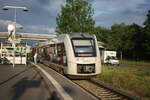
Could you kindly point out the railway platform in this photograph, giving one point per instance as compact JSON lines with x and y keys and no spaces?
{"x":38,"y":82}
{"x":22,"y":83}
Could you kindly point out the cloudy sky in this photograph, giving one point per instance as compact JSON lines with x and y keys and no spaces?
{"x":41,"y":17}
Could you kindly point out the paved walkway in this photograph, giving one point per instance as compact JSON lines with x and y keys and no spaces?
{"x":21,"y":83}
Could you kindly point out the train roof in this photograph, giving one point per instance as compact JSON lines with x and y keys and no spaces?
{"x":81,"y":35}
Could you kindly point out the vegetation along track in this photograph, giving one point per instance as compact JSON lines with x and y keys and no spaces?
{"x":102,"y":92}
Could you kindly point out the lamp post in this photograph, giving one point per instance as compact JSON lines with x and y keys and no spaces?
{"x":14,"y":31}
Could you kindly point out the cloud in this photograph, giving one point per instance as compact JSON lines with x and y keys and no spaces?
{"x":43,"y":13}
{"x":4,"y":24}
{"x":128,"y":11}
{"x":26,"y":29}
{"x":36,"y":15}
{"x":40,"y":30}
{"x":54,"y":5}
{"x":100,"y":12}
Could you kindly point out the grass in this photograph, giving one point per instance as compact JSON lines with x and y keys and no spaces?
{"x":130,"y":80}
{"x":139,"y":63}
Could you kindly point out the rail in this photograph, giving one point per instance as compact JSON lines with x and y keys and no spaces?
{"x":102,"y":91}
{"x":96,"y":88}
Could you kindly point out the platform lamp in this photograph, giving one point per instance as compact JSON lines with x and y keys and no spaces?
{"x":14,"y":31}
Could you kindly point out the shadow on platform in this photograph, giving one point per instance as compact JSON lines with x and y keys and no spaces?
{"x":69,"y":90}
{"x":21,"y":86}
{"x":54,"y":96}
{"x":17,"y":74}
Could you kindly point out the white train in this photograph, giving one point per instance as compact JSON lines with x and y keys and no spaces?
{"x":77,"y":53}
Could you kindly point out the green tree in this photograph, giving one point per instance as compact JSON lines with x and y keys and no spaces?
{"x":118,"y":38}
{"x":129,"y":40}
{"x":76,"y":16}
{"x":146,"y":43}
{"x":137,"y":37}
{"x":147,"y":21}
{"x":101,"y":33}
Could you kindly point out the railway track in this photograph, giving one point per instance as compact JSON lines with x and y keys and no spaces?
{"x":102,"y":92}
{"x":99,"y":90}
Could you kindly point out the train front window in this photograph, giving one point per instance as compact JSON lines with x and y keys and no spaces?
{"x":84,"y":47}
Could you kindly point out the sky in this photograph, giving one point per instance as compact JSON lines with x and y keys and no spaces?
{"x":41,"y":17}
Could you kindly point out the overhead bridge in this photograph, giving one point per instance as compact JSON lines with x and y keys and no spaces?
{"x":28,"y":36}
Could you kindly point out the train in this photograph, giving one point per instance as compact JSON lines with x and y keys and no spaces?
{"x":77,"y":54}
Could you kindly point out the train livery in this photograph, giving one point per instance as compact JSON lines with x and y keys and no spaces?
{"x":77,"y":53}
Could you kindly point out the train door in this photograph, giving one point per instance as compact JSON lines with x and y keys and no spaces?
{"x":61,"y":54}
